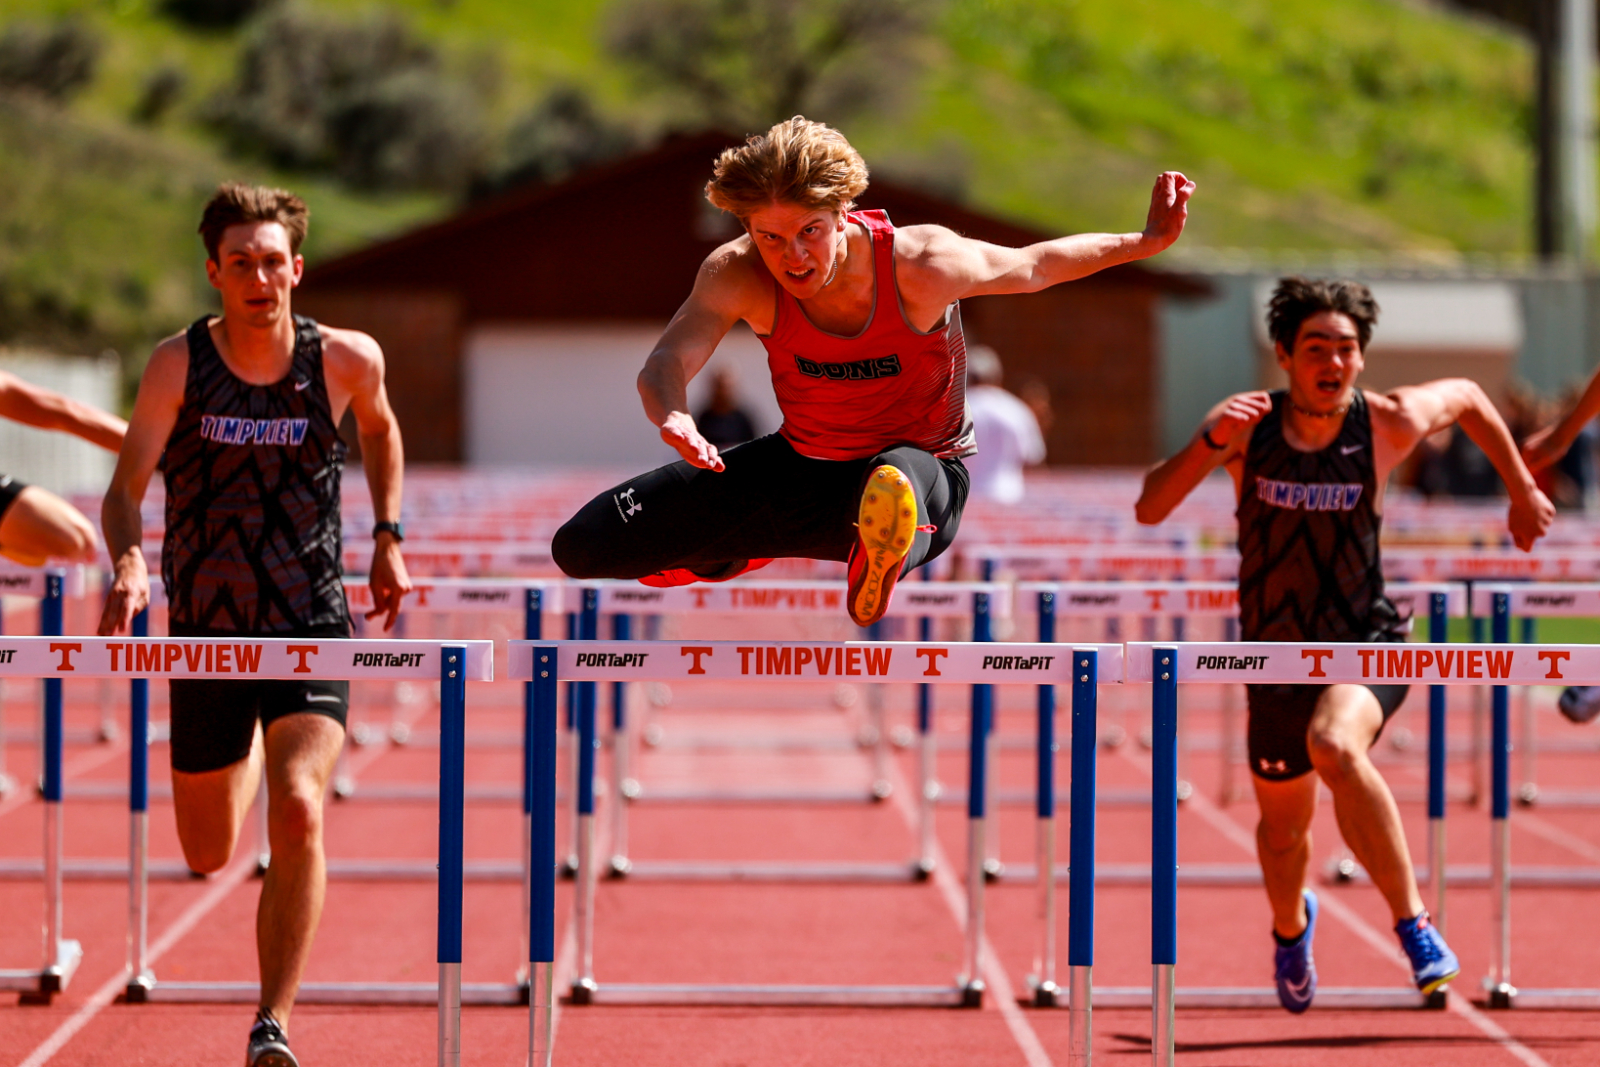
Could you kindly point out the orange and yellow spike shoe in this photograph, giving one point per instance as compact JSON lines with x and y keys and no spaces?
{"x":885,"y":527}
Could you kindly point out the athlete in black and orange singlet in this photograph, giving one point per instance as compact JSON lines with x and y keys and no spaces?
{"x":245,"y":409}
{"x":862,"y":326}
{"x":1309,"y":465}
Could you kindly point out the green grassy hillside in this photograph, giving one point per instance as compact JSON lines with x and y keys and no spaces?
{"x":1372,"y":124}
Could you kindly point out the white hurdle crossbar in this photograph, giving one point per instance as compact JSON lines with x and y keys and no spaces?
{"x":785,"y":663}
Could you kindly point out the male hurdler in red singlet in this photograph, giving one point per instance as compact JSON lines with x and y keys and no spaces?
{"x":862,"y":327}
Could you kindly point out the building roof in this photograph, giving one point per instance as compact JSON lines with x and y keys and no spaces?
{"x":620,"y":241}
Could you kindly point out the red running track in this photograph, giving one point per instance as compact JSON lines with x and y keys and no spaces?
{"x":851,"y":934}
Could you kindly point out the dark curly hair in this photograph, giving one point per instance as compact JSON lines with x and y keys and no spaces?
{"x":1297,"y":299}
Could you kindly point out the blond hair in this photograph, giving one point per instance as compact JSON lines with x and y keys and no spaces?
{"x":798,"y":162}
{"x":236,"y":204}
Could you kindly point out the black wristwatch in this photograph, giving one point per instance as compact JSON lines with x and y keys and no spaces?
{"x":394,"y":528}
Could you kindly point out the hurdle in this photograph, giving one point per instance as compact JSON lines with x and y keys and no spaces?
{"x":33,"y":584}
{"x":1530,"y":601}
{"x":26,"y":657}
{"x":453,"y":664}
{"x":1168,"y":666}
{"x":925,"y":601}
{"x":1584,"y":669}
{"x":785,"y":663}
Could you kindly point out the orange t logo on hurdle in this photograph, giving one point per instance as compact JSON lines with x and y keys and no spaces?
{"x":933,"y":655}
{"x":1157,"y":598}
{"x":696,"y":651}
{"x":302,"y":651}
{"x":66,"y":651}
{"x":1553,"y":657}
{"x":1316,"y":656}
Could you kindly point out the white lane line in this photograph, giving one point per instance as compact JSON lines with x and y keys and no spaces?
{"x":1555,"y":835}
{"x":26,"y":792}
{"x":242,"y":868}
{"x":1000,"y":994}
{"x":1381,"y":943}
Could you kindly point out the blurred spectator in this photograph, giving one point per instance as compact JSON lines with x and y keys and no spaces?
{"x":1006,"y":427}
{"x":723,"y":422}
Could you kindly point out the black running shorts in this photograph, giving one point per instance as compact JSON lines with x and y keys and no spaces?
{"x":1280,"y":719}
{"x":10,"y":489}
{"x":770,"y":502}
{"x":214,"y":720}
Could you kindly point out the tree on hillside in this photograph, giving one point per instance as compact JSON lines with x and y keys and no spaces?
{"x":54,"y":60}
{"x":365,"y":100}
{"x":745,"y":64}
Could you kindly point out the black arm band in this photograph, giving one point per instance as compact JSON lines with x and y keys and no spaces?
{"x":389,"y":528}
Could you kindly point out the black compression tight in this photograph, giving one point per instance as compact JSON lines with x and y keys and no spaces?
{"x":769,"y":502}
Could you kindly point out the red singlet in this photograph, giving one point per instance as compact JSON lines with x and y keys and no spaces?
{"x":853,"y":397}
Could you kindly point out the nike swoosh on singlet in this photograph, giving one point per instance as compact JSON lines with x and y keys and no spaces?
{"x":1344,"y":450}
{"x":323,"y":698}
{"x":298,"y":386}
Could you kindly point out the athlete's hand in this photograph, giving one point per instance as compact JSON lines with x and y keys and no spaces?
{"x":1169,"y":210}
{"x":1239,"y":413}
{"x":680,"y":432}
{"x":1530,"y":518}
{"x":1544,"y":448}
{"x":389,"y":581}
{"x":129,"y":595}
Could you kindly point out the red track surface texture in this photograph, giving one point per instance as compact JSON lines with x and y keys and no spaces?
{"x":902,"y":934}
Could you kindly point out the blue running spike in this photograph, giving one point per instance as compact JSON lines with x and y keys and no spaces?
{"x":1432,"y":962}
{"x":1296,"y":972}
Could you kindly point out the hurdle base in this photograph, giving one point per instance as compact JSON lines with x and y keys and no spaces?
{"x":675,"y":871}
{"x":1502,"y":995}
{"x":1045,"y":994}
{"x":590,"y":992}
{"x":137,"y":991}
{"x":648,"y":794}
{"x":1551,"y":1000}
{"x":372,"y":993}
{"x":40,"y":987}
{"x":1350,"y":998}
{"x":1213,"y":874}
{"x":1477,"y":876}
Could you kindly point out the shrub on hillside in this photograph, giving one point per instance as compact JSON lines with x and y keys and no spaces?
{"x":561,"y":134}
{"x":213,"y":14}
{"x":365,"y":100}
{"x":55,"y":60}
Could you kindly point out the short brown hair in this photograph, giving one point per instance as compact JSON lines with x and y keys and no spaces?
{"x":237,"y":204}
{"x":798,"y":161}
{"x":1297,"y":299}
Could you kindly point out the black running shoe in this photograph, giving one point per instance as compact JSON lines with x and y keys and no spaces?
{"x":269,"y":1045}
{"x":1580,"y":703}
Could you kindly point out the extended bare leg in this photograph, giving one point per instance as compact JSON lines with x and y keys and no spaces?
{"x":301,"y":751}
{"x":1342,"y":731}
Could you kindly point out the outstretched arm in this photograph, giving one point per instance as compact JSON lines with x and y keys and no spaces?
{"x":964,"y":267}
{"x":1407,"y":415}
{"x":23,"y":402}
{"x":1229,"y":425}
{"x":1552,"y":442}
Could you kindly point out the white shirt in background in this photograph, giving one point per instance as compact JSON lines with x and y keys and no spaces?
{"x":1008,"y":439}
